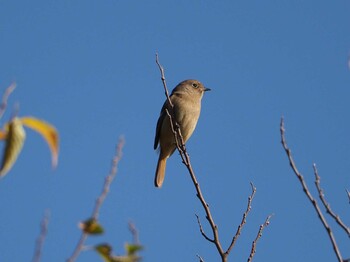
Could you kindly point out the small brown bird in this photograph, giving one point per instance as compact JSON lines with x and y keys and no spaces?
{"x":186,"y":98}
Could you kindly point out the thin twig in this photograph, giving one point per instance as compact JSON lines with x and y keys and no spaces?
{"x":244,"y":219}
{"x":202,"y":231}
{"x":186,"y":160}
{"x":134,"y":232}
{"x":200,"y":258}
{"x":5,"y":97}
{"x":307,"y":192}
{"x":101,"y":198}
{"x":161,"y":69}
{"x":327,"y":205}
{"x":41,"y":238}
{"x":258,"y":236}
{"x":109,"y":178}
{"x":348,"y":193}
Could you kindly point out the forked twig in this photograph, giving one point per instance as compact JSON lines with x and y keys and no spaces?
{"x":101,"y":198}
{"x":307,"y":192}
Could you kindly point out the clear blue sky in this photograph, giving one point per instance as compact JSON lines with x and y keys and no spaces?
{"x":89,"y":68}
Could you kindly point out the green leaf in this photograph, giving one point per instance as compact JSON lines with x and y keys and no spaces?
{"x":91,"y":226}
{"x":104,"y":251}
{"x":132,"y":249}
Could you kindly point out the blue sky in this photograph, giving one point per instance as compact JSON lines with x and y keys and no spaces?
{"x":89,"y":68}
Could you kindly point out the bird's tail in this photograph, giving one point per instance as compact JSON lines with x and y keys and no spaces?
{"x":160,"y":172}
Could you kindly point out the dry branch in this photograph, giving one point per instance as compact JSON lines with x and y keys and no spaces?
{"x":308,"y":193}
{"x":112,"y":173}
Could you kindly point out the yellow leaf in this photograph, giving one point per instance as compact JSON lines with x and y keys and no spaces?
{"x":47,"y":131}
{"x":13,"y":145}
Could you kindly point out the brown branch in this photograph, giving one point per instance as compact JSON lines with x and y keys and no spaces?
{"x":244,"y":219}
{"x":307,"y":192}
{"x":186,"y":160}
{"x":41,"y":238}
{"x":5,"y":97}
{"x":327,"y":205}
{"x":258,"y":236}
{"x":101,"y":198}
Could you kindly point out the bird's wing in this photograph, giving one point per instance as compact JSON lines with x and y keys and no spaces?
{"x":161,"y":118}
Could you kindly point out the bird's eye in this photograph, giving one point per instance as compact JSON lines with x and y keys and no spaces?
{"x":195,"y":85}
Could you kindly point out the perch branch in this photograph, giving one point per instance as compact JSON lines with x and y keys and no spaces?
{"x":186,"y":160}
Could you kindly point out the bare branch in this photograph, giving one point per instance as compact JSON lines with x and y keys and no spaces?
{"x":5,"y":97}
{"x":244,"y":219}
{"x":186,"y":160}
{"x":41,"y":238}
{"x":307,"y":192}
{"x":348,"y":193}
{"x":101,"y":198}
{"x":327,"y":205}
{"x":258,"y":236}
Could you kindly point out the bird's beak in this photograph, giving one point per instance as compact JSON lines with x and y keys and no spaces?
{"x":206,"y":89}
